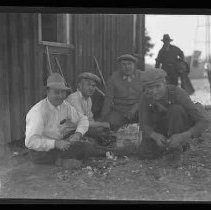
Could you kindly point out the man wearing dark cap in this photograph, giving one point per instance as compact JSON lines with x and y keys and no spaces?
{"x":168,"y":117}
{"x":122,"y":95}
{"x":54,"y":128}
{"x":168,"y":56}
{"x":81,"y":100}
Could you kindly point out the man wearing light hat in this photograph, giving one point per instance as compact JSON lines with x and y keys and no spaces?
{"x":168,"y":56}
{"x":54,"y":128}
{"x":122,"y":95}
{"x":82,"y":102}
{"x":168,"y":117}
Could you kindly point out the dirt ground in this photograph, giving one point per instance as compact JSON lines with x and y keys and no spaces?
{"x":184,"y":177}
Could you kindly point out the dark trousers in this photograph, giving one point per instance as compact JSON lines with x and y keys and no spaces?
{"x":97,"y":132}
{"x":172,"y":75}
{"x":79,"y":150}
{"x":117,"y":119}
{"x":174,"y":121}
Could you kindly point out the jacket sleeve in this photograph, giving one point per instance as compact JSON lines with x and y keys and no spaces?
{"x":180,"y":53}
{"x":199,"y":119}
{"x":108,"y":99}
{"x":158,"y":60}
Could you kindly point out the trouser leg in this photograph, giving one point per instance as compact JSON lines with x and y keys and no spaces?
{"x":83,"y":150}
{"x":116,"y":120}
{"x":149,"y":149}
{"x":97,"y":132}
{"x":177,"y":120}
{"x":79,"y":150}
{"x":172,"y":75}
{"x":42,"y":157}
{"x":101,"y":136}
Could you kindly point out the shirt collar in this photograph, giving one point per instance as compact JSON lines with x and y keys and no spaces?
{"x":129,"y":76}
{"x":51,"y":106}
{"x":81,"y":96}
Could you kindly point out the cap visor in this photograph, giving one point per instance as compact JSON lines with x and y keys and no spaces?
{"x":168,"y":40}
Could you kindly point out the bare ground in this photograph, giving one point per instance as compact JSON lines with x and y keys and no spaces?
{"x":183,"y":177}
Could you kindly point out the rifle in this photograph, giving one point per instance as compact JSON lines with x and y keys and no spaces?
{"x":101,"y":75}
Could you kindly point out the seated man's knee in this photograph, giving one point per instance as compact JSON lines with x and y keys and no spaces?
{"x":116,"y":121}
{"x":43,"y":157}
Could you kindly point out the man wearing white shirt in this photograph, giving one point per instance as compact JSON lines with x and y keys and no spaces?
{"x":54,"y":129}
{"x":81,"y":100}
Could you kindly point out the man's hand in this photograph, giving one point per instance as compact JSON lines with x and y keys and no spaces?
{"x":67,"y":127}
{"x":177,"y":139}
{"x":159,"y":139}
{"x":75,"y":137}
{"x":62,"y":145}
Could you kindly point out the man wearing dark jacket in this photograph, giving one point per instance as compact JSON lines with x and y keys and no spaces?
{"x":168,"y":117}
{"x":122,"y":96}
{"x":168,"y":57}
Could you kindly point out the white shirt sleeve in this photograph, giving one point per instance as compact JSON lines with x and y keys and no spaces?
{"x":78,"y":118}
{"x":73,"y":100}
{"x":34,"y":133}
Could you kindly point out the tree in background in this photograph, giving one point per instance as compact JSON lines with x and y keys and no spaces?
{"x":147,"y":44}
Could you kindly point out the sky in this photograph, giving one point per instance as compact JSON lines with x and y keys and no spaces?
{"x":181,"y":28}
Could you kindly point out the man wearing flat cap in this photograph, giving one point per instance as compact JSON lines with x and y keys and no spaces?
{"x":81,"y":100}
{"x":54,"y":128}
{"x":122,"y":95}
{"x":168,"y":117}
{"x":169,"y":56}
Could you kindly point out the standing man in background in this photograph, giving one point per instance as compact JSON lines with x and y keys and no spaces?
{"x":168,"y":56}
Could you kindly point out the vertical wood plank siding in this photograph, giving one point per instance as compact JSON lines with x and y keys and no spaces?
{"x":23,"y":66}
{"x":5,"y":130}
{"x":103,"y":36}
{"x":21,"y":72}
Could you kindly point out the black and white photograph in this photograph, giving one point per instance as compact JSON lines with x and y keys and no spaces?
{"x":105,"y":106}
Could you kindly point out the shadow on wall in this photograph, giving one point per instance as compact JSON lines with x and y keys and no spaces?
{"x":97,"y":104}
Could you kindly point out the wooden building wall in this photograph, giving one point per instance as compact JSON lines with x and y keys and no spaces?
{"x":103,"y":36}
{"x":23,"y":66}
{"x":20,"y":72}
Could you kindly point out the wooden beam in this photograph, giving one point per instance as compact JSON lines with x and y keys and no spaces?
{"x":57,"y":44}
{"x":55,"y":49}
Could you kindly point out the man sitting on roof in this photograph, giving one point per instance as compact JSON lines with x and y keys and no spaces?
{"x":54,"y":128}
{"x":82,"y":102}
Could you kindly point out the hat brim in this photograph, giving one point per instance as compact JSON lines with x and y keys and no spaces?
{"x":127,"y":59}
{"x":58,"y":87}
{"x":90,"y":78}
{"x":167,"y":40}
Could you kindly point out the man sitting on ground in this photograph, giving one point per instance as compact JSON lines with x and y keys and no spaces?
{"x":82,"y":102}
{"x":124,"y":89}
{"x":54,"y":129}
{"x":168,"y":117}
